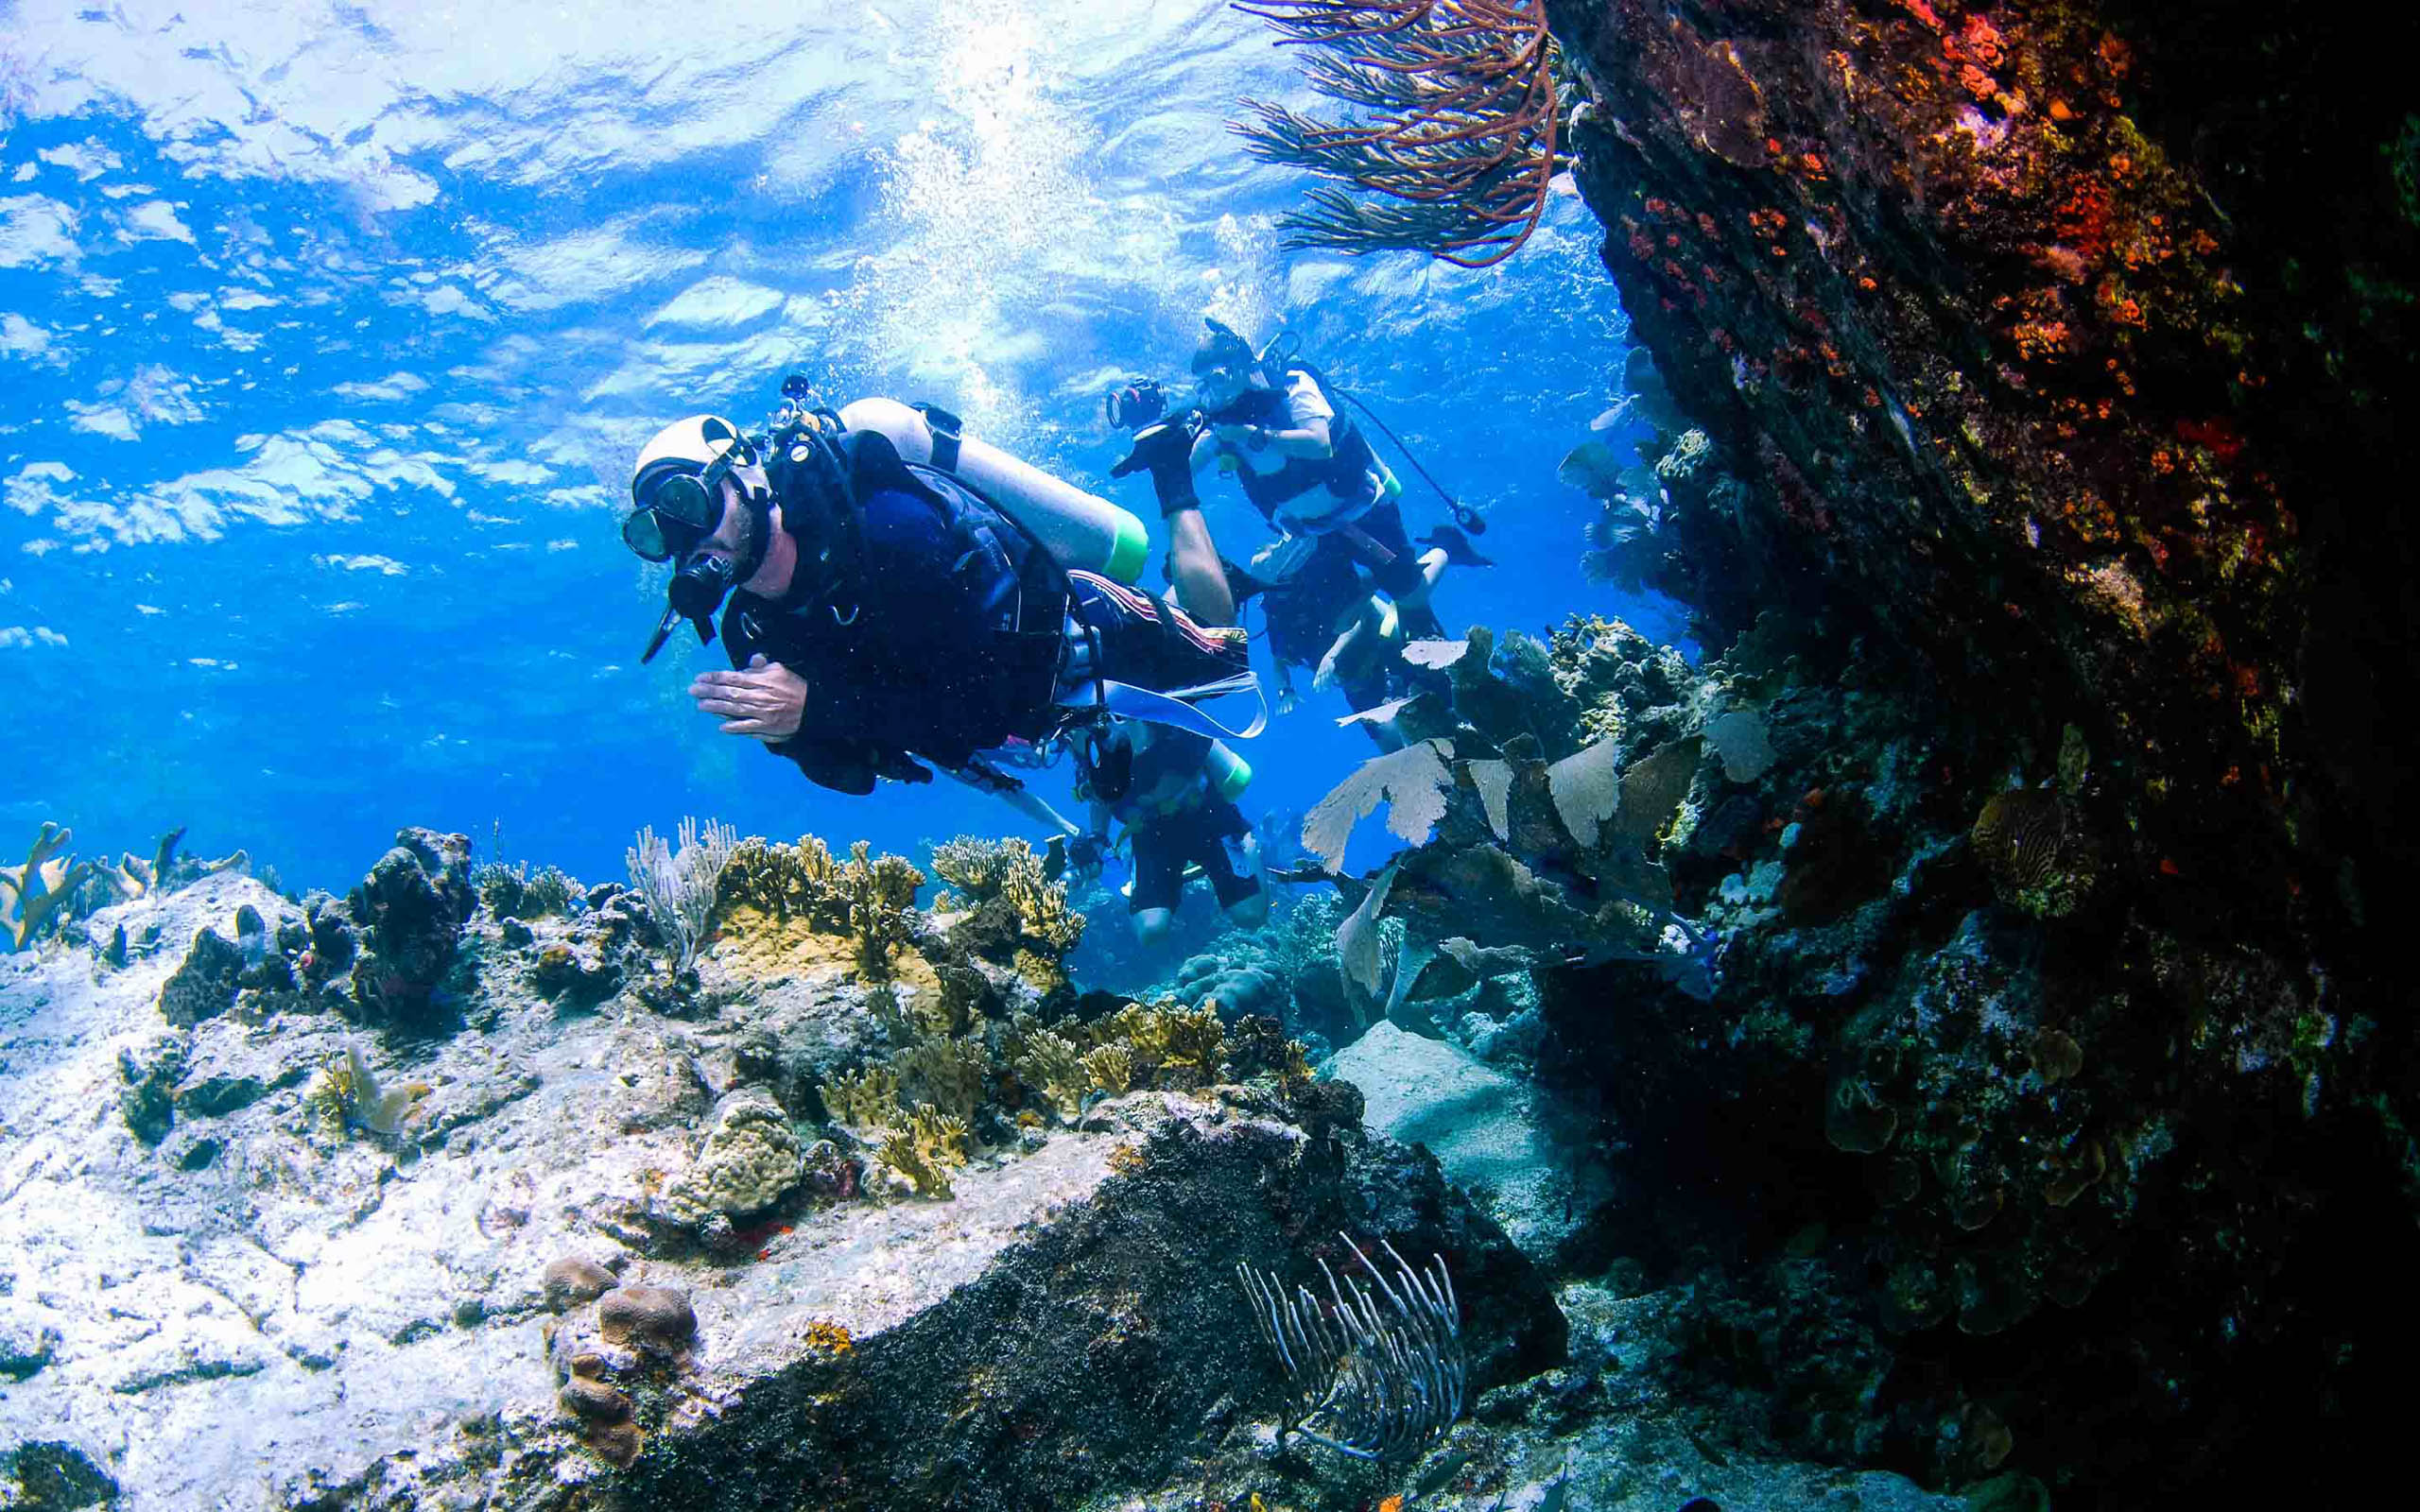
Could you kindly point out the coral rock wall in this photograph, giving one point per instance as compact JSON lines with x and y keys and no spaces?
{"x":2062,"y":337}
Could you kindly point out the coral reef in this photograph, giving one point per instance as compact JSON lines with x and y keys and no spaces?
{"x":410,"y":910}
{"x":2028,"y":352}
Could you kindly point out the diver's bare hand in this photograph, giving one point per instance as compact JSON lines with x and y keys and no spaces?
{"x":1286,"y":701}
{"x":765,"y":700}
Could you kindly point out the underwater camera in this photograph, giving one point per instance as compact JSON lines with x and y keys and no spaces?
{"x":1139,"y":403}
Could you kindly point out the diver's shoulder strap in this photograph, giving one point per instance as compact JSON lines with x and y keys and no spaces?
{"x":947,"y":429}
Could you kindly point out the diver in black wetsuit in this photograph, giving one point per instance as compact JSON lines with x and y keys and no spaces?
{"x":1325,"y":617}
{"x":1169,"y":788}
{"x":884,"y":615}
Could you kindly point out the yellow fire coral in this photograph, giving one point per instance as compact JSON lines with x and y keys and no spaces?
{"x":1041,"y":904}
{"x":947,"y":1073}
{"x":785,"y":880}
{"x":880,"y":892}
{"x":867,"y":1099}
{"x":927,"y":1150}
{"x":978,"y":866}
{"x":1054,"y":1066}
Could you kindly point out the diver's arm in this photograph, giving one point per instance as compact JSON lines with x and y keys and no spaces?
{"x":1028,"y":802}
{"x":1309,"y":441}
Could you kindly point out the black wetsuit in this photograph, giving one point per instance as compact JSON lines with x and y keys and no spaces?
{"x":1163,"y":795}
{"x":918,"y":653}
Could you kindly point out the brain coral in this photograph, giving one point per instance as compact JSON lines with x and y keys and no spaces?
{"x":652,"y":1319}
{"x":749,"y":1161}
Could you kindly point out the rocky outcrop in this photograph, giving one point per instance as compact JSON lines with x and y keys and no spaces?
{"x":410,"y":910}
{"x":2034,"y":351}
{"x":480,"y":1271}
{"x":2054,"y":336}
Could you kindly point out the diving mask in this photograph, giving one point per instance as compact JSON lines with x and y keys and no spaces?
{"x":677,"y":511}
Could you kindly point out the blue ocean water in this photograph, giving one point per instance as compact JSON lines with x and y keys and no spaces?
{"x":327,"y":332}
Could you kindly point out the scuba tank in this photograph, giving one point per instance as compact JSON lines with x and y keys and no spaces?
{"x":1079,"y":529}
{"x":1228,"y":773}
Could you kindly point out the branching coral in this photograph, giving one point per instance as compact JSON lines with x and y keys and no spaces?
{"x":978,"y":866}
{"x":1109,"y":1068}
{"x":927,"y":1150}
{"x":785,"y":880}
{"x":32,"y":893}
{"x":1010,"y":870}
{"x":950,"y":1074}
{"x":1458,"y":146}
{"x":880,"y":892}
{"x":1172,"y":1045}
{"x":1051,"y":1064}
{"x":863,"y":1100}
{"x":132,"y":876}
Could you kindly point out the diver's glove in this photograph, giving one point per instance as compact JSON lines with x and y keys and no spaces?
{"x":1165,"y":451}
{"x":1086,"y":854}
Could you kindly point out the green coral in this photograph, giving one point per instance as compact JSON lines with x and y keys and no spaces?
{"x":927,"y":1150}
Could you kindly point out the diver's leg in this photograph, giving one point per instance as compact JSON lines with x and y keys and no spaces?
{"x":1196,"y":571}
{"x":1386,"y":550}
{"x":1230,"y":856}
{"x":1158,"y":884}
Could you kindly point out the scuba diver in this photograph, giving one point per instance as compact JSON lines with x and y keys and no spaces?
{"x":1311,"y":471}
{"x":903,"y":594}
{"x":1173,"y":792}
{"x":1325,"y":617}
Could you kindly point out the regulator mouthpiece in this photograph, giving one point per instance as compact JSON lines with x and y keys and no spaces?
{"x":697,"y":592}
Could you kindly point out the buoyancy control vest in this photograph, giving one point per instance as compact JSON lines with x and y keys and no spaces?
{"x":1020,"y":592}
{"x":1348,"y":469}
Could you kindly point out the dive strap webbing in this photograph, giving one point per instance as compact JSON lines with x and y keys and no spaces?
{"x":1464,"y":516}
